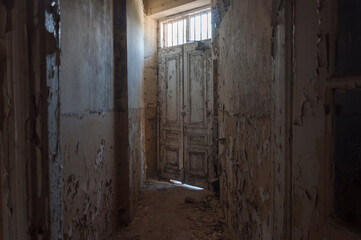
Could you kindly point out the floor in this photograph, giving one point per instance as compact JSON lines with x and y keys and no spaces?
{"x":176,"y":212}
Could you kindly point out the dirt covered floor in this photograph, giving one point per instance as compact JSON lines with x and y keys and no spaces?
{"x":176,"y":212}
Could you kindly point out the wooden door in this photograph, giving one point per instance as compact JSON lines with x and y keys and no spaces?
{"x":170,"y":98}
{"x":185,"y":98}
{"x":198,"y":108}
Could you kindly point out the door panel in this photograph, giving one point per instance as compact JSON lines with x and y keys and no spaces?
{"x":185,"y":94}
{"x":197,"y":122}
{"x":196,"y":88}
{"x":171,"y":119}
{"x":172,"y":90}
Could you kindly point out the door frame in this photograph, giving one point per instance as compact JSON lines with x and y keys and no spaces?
{"x":212,"y":164}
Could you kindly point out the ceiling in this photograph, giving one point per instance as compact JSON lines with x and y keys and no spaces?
{"x":163,"y":8}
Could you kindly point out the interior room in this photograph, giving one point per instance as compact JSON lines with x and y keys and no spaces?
{"x":180,"y":119}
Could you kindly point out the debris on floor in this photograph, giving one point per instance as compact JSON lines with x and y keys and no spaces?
{"x":171,"y":211}
{"x":189,"y":200}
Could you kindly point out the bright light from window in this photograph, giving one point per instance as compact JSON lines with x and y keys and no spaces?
{"x":190,"y":27}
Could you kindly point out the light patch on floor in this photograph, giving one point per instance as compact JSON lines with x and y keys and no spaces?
{"x":164,"y":214}
{"x":180,"y":184}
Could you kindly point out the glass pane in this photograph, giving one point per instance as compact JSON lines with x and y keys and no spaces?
{"x":175,"y":32}
{"x":192,"y":29}
{"x":162,"y":35}
{"x":180,"y":32}
{"x":184,"y":31}
{"x":204,"y":26}
{"x":209,"y":25}
{"x":169,"y":35}
{"x":198,"y":27}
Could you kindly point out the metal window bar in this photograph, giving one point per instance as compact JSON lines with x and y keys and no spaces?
{"x":191,"y":27}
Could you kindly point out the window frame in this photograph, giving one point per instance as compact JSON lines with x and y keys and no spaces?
{"x":333,"y":83}
{"x":186,"y":16}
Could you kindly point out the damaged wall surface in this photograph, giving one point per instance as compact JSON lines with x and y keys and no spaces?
{"x":77,"y":129}
{"x":87,"y":120}
{"x":150,"y":95}
{"x":24,"y":44}
{"x":135,"y":61}
{"x":317,"y":78}
{"x":277,"y":136}
{"x":241,"y":46}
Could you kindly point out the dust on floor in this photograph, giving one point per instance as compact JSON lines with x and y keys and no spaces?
{"x":176,"y":212}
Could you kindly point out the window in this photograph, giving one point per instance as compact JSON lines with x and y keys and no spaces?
{"x":347,"y":165}
{"x":190,"y":27}
{"x":348,"y":46}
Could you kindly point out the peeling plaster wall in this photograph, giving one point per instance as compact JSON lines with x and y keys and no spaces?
{"x":24,"y":44}
{"x":150,"y":95}
{"x":135,"y":61}
{"x":313,"y":135}
{"x":308,"y":121}
{"x":242,"y":59}
{"x":87,"y":120}
{"x":52,"y":25}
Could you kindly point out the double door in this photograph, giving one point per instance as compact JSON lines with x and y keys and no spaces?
{"x":185,"y":100}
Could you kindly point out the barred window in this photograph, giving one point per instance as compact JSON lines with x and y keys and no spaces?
{"x":190,"y":27}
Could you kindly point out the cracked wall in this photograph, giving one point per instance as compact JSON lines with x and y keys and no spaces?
{"x":315,"y":80}
{"x":90,"y":198}
{"x":278,"y":68}
{"x":135,"y":63}
{"x":150,"y":94}
{"x":52,"y":35}
{"x":103,"y":133}
{"x":242,"y":54}
{"x":24,"y":44}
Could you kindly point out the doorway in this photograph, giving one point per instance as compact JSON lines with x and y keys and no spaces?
{"x":185,"y":101}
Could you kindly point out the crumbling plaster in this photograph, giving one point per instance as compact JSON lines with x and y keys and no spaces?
{"x":135,"y":61}
{"x":313,"y":134}
{"x":250,"y":52}
{"x":150,"y":95}
{"x":25,"y":44}
{"x":88,"y":120}
{"x":275,"y":77}
{"x":242,"y":48}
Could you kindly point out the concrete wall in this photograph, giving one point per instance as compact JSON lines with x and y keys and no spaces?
{"x":88,"y":120}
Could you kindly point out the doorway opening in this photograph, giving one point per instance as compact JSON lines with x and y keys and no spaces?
{"x":185,"y":98}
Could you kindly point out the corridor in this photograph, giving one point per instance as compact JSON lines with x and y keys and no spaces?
{"x":179,"y":212}
{"x":256,"y":101}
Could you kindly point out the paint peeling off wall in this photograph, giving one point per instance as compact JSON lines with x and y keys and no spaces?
{"x":135,"y":64}
{"x":89,"y":199}
{"x":315,"y":81}
{"x":150,"y":95}
{"x":88,"y":121}
{"x":308,"y":121}
{"x":23,"y":120}
{"x":52,"y":25}
{"x":56,"y":164}
{"x":242,"y":56}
